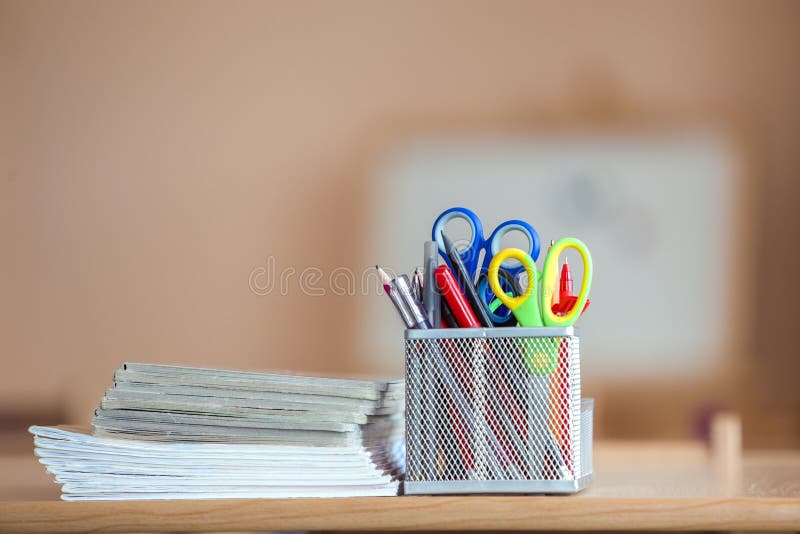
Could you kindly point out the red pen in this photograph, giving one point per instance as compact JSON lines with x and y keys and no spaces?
{"x":565,"y":286}
{"x":566,"y":299}
{"x":455,"y":299}
{"x":559,"y":382}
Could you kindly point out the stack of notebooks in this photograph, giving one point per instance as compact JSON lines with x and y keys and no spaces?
{"x":166,"y":432}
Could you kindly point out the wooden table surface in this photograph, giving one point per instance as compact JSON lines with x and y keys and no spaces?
{"x":637,"y":486}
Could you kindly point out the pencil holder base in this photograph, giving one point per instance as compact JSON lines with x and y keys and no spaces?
{"x":527,"y":487}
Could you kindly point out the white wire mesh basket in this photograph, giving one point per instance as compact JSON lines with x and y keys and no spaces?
{"x":496,"y":411}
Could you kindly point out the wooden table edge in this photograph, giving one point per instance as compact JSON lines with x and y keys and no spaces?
{"x":405,"y":513}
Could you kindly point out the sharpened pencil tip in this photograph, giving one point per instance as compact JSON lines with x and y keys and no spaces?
{"x":385,"y":278}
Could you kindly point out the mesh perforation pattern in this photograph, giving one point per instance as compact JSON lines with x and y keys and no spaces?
{"x":493,"y":410}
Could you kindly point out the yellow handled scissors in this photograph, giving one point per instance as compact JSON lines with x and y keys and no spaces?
{"x":528,"y":308}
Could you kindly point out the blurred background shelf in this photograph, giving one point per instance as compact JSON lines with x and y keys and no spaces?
{"x":145,"y":193}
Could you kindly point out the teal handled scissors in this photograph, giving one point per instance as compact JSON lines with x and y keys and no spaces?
{"x":528,"y":308}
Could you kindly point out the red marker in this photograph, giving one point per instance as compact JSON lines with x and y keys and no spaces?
{"x":456,"y":303}
{"x":455,"y":299}
{"x":566,"y":299}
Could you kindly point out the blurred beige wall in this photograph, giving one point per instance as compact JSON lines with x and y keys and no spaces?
{"x":154,"y":153}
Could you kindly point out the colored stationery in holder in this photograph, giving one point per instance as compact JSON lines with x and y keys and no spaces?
{"x":494,"y":408}
{"x":524,"y":382}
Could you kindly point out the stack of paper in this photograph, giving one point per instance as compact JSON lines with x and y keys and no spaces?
{"x":169,"y":432}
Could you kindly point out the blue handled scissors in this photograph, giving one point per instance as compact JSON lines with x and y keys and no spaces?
{"x":477,"y":266}
{"x":472,"y":254}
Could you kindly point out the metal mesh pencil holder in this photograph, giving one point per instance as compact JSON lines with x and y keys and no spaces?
{"x":496,"y":411}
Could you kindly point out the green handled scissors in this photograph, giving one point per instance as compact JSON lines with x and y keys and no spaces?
{"x":528,"y":308}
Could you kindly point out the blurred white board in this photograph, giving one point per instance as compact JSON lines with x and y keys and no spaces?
{"x":656,"y":210}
